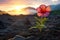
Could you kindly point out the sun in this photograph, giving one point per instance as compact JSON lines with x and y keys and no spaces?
{"x":17,"y":10}
{"x":17,"y":7}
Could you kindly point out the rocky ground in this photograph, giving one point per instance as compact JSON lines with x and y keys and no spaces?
{"x":17,"y":28}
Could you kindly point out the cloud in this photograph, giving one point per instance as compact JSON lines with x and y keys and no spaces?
{"x":4,"y":1}
{"x":27,"y":2}
{"x":7,"y":4}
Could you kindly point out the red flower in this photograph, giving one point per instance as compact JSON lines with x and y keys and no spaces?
{"x":43,"y":10}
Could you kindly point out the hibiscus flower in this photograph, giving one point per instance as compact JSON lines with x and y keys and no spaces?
{"x":43,"y":11}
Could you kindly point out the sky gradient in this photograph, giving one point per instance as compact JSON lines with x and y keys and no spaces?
{"x":10,"y":4}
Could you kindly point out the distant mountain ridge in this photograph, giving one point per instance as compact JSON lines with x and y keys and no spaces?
{"x":24,"y":11}
{"x":3,"y":12}
{"x":55,"y":7}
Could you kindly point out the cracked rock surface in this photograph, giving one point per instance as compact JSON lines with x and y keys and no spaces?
{"x":17,"y":28}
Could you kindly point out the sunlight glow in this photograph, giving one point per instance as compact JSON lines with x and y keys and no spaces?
{"x":19,"y":7}
{"x":17,"y":10}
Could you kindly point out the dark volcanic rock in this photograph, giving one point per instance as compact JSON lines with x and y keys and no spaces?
{"x":32,"y":38}
{"x":10,"y":26}
{"x":22,"y":25}
{"x":53,"y":20}
{"x":2,"y":25}
{"x":15,"y":25}
{"x":18,"y":38}
{"x":52,"y":32}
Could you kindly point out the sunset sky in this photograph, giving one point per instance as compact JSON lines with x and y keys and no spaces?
{"x":15,"y":4}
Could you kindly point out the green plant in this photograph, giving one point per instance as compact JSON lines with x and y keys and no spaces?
{"x":40,"y":23}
